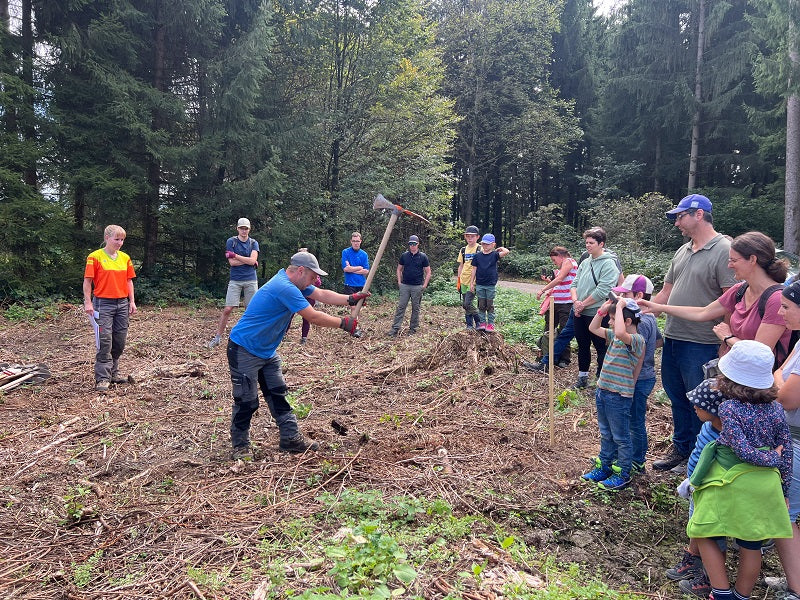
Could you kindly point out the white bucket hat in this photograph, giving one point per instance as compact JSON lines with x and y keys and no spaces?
{"x":749,"y":363}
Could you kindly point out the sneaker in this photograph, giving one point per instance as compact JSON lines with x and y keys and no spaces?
{"x":102,"y":385}
{"x":118,"y":379}
{"x":298,"y":444}
{"x":490,"y":327}
{"x":562,"y":364}
{"x":391,"y":333}
{"x":689,"y":567}
{"x":615,"y":468}
{"x":536,"y":367}
{"x":617,"y":481}
{"x":787,"y":595}
{"x":597,"y":474}
{"x":481,"y":326}
{"x":670,"y":461}
{"x":303,"y":341}
{"x":214,"y":342}
{"x":582,"y":383}
{"x":700,"y":586}
{"x":242,"y":453}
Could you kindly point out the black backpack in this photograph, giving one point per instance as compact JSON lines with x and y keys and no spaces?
{"x":781,"y":353}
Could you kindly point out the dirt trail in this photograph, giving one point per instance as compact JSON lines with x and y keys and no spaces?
{"x":522,"y":286}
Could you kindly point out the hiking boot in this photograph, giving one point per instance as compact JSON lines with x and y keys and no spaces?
{"x":563,"y":364}
{"x":214,"y":342}
{"x":303,"y":341}
{"x":670,"y":461}
{"x":597,"y":474}
{"x":582,"y":383}
{"x":102,"y":385}
{"x":536,"y":367}
{"x":298,"y":444}
{"x":391,"y":333}
{"x":689,"y":567}
{"x":242,"y":453}
{"x":118,"y":379}
{"x":700,"y":586}
{"x":617,"y":481}
{"x":490,"y":327}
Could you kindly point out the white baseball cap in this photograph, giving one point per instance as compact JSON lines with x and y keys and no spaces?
{"x":243,"y":222}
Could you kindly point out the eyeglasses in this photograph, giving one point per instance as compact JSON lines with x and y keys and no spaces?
{"x":683,"y":214}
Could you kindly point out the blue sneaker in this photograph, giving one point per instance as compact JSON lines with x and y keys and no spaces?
{"x":614,"y":467}
{"x":616,"y":482}
{"x":597,"y":474}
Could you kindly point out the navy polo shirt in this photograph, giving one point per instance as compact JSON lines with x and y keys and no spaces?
{"x":413,"y":267}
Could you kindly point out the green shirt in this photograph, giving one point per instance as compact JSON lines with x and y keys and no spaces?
{"x":697,"y":279}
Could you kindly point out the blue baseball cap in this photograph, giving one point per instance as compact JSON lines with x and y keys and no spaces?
{"x":692,"y":202}
{"x":488,"y":238}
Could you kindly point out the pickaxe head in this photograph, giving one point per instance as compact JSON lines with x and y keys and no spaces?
{"x":382,"y":203}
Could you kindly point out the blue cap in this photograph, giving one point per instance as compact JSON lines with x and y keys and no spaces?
{"x":413,"y":240}
{"x":488,"y":238}
{"x":692,"y":202}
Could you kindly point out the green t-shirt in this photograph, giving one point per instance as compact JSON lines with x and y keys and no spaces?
{"x":697,"y":279}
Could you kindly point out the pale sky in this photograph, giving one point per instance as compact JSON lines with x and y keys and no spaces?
{"x":605,"y":6}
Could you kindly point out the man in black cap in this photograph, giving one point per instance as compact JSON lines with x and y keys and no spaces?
{"x":253,"y":343}
{"x":413,"y":275}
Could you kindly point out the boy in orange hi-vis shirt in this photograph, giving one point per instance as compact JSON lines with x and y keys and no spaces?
{"x":111,"y":272}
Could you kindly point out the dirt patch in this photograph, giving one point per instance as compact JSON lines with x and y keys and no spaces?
{"x":140,"y":477}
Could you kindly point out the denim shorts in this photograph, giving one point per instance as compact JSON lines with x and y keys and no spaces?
{"x":794,"y":487}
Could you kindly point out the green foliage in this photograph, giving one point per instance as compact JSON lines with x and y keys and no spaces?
{"x":567,"y":400}
{"x":75,"y":502}
{"x":636,"y":223}
{"x":42,"y":310}
{"x":369,"y":562}
{"x":82,"y":573}
{"x":543,"y":229}
{"x":736,"y":213}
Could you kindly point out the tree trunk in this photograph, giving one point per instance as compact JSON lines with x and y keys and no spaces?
{"x":29,"y":174}
{"x":150,"y":217}
{"x":698,"y":94}
{"x":792,"y":190}
{"x":657,"y":165}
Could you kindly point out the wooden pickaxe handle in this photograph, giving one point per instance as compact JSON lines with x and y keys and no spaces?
{"x":378,"y":255}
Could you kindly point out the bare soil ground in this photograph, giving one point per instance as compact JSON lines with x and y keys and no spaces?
{"x":143,"y":472}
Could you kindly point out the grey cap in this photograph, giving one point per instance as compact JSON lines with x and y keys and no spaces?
{"x":472,"y":229}
{"x":307,"y":260}
{"x":414,"y":239}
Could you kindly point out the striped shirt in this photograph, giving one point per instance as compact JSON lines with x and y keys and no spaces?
{"x":707,"y":434}
{"x":560,"y":294}
{"x":620,"y":363}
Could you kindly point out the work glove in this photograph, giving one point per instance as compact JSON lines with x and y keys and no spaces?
{"x":230,"y":254}
{"x":353,"y":299}
{"x":349,"y":324}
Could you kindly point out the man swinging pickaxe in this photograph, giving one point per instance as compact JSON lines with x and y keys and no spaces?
{"x":381,"y":203}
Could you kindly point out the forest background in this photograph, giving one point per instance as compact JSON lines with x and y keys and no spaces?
{"x":531,"y":119}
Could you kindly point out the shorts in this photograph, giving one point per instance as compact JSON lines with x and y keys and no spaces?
{"x":237,"y":288}
{"x":794,"y":485}
{"x":352,"y":289}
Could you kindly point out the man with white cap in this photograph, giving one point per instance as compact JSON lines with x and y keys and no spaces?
{"x":697,"y":275}
{"x":253,"y":343}
{"x":242,"y":253}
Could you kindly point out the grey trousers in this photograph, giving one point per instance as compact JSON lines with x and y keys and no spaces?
{"x":113,"y":321}
{"x":248,"y":373}
{"x":413,"y":293}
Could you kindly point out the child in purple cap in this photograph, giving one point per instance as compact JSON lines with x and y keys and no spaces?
{"x":484,"y":280}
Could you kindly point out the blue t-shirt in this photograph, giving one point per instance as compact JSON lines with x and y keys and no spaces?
{"x":356,"y":258}
{"x":242,"y":272}
{"x":648,"y":328}
{"x":414,"y":267}
{"x":485,"y":266}
{"x":261,"y":328}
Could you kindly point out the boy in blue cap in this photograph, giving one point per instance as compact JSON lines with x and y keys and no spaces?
{"x":484,"y":280}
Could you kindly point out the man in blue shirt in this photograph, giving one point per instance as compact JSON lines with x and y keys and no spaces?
{"x":413,"y":275}
{"x":253,"y":343}
{"x":242,"y":253}
{"x":355,"y":264}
